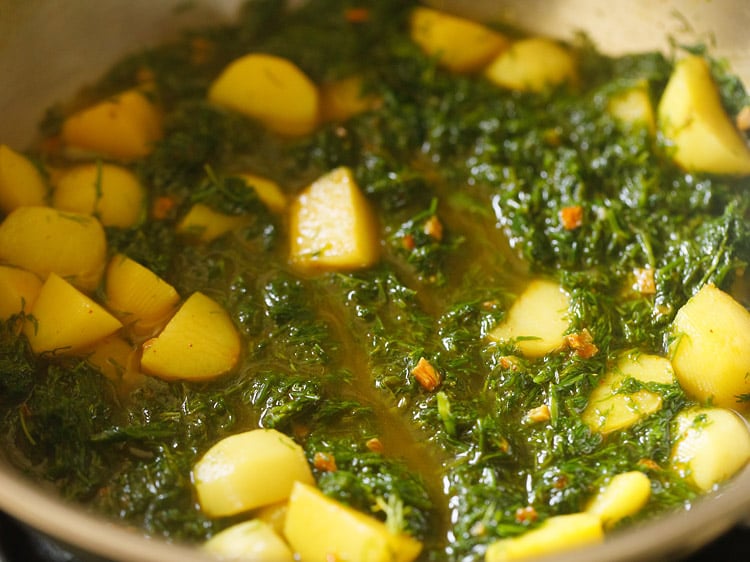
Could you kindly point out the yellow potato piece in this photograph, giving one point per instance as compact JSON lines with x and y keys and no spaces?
{"x":320,"y":529}
{"x":343,"y":99}
{"x":44,"y":240}
{"x":65,"y":320}
{"x":460,"y":45}
{"x":111,"y":193}
{"x":137,"y":296}
{"x":18,"y":290}
{"x":123,"y":127}
{"x":249,"y":470}
{"x":205,"y":224}
{"x":711,"y":445}
{"x":199,"y":342}
{"x":250,"y":541}
{"x":633,"y":105}
{"x":272,"y":90}
{"x":21,"y":184}
{"x":540,"y":314}
{"x":623,"y":496}
{"x":114,"y":357}
{"x":332,"y":226}
{"x":532,"y":65}
{"x":691,"y":116}
{"x":711,"y":348}
{"x":609,"y":410}
{"x":556,"y":534}
{"x":268,"y":191}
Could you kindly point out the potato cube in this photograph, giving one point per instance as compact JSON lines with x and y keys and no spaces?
{"x":711,"y":348}
{"x":124,"y":127}
{"x":332,"y":226}
{"x":114,"y":357}
{"x":199,"y":342}
{"x":343,"y":99}
{"x":537,"y":321}
{"x":533,"y":65}
{"x":251,"y":541}
{"x":623,"y":496}
{"x":633,"y":105}
{"x":44,"y":240}
{"x":711,"y":445}
{"x":249,"y":470}
{"x":609,"y":409}
{"x":267,"y":191}
{"x":21,"y":184}
{"x":65,"y":320}
{"x":556,"y":534}
{"x":111,"y":193}
{"x":691,"y":116}
{"x":203,"y":223}
{"x":459,"y":44}
{"x":320,"y":529}
{"x":272,"y":90}
{"x":137,"y":296}
{"x":18,"y":290}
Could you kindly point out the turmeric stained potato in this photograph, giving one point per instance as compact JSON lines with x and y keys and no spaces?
{"x":136,"y":295}
{"x":710,"y":445}
{"x":692,"y":117}
{"x":199,"y":342}
{"x":267,"y":191}
{"x":345,"y":98}
{"x":250,"y":541}
{"x":204,"y":224}
{"x":272,"y":90}
{"x":459,"y":44}
{"x":533,"y":65}
{"x":537,"y":321}
{"x":21,"y":183}
{"x":248,"y":470}
{"x":44,"y":240}
{"x":711,"y":348}
{"x":18,"y":290}
{"x":65,"y":320}
{"x":556,"y":534}
{"x":111,"y":193}
{"x":115,"y":358}
{"x":320,"y":529}
{"x":633,"y":105}
{"x":623,"y":496}
{"x":332,"y":226}
{"x":124,"y":127}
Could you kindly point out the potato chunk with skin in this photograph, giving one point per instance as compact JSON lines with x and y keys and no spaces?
{"x":124,"y":127}
{"x":250,"y":541}
{"x":532,"y":65}
{"x":203,"y":223}
{"x":65,"y":320}
{"x":609,"y":409}
{"x":711,"y":348}
{"x":249,"y":470}
{"x":691,"y":116}
{"x":272,"y":90}
{"x":623,"y":496}
{"x":320,"y":529}
{"x":111,"y":193}
{"x":21,"y":184}
{"x":136,"y":295}
{"x":460,"y":45}
{"x":200,"y":342}
{"x":332,"y":226}
{"x":711,"y":445}
{"x":537,"y":321}
{"x":44,"y":240}
{"x":556,"y":534}
{"x":18,"y":290}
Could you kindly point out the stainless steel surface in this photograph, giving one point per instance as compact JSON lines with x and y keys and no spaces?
{"x":49,"y":48}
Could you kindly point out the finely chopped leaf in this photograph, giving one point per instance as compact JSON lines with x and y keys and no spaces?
{"x":476,"y":192}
